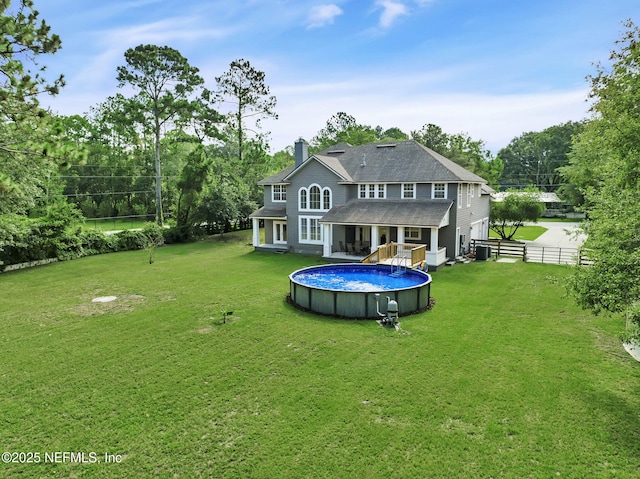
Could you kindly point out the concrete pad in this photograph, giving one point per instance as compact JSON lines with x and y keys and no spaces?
{"x":104,"y":299}
{"x":507,"y":260}
{"x":560,"y":235}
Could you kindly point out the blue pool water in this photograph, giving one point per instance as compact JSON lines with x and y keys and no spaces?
{"x":363,"y":278}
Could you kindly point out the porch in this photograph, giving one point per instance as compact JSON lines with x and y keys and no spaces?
{"x":409,"y":255}
{"x":382,"y":230}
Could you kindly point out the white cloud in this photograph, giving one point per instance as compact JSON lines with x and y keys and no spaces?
{"x":494,"y":118}
{"x":322,"y":15}
{"x":390,"y":11}
{"x":167,"y":30}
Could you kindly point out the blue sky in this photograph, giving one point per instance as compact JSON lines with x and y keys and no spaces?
{"x":491,"y":68}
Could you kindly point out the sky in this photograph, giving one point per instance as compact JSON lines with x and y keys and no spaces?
{"x":492,"y":69}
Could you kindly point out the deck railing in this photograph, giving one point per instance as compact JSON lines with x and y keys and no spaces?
{"x":412,"y":252}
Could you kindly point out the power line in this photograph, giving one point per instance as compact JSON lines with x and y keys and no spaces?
{"x":96,"y":194}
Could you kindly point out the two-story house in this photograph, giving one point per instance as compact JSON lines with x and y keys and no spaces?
{"x":351,"y":199}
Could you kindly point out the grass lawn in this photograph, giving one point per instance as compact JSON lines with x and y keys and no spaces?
{"x":504,"y":378}
{"x":116,"y":224}
{"x":528,"y":233}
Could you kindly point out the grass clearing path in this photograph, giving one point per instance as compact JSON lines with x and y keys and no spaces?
{"x":503,"y":378}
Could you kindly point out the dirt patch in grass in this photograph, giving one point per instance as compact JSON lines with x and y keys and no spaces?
{"x":122,"y":304}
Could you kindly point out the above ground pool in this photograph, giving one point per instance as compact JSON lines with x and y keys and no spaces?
{"x":349,"y":290}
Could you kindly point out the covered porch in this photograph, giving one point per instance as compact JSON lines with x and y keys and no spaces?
{"x":275,"y":229}
{"x":381,"y":231}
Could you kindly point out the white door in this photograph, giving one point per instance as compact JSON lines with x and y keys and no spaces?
{"x":476,"y":230}
{"x":279,"y":232}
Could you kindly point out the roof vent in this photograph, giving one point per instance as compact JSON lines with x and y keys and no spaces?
{"x":386,"y":145}
{"x":363,"y":160}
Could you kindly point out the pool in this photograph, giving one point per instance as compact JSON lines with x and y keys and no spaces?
{"x":349,"y":290}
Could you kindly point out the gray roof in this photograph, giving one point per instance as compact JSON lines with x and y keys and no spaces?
{"x":270,"y":212}
{"x":400,"y":162}
{"x":419,"y":213}
{"x":278,"y":178}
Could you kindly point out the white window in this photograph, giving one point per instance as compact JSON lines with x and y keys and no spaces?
{"x":412,"y":233}
{"x":310,"y":229}
{"x":372,"y":191}
{"x":439,"y":190}
{"x":303,"y":198}
{"x":469,"y":194}
{"x":279,"y":193}
{"x":314,"y":198}
{"x":459,"y":195}
{"x":408,"y":191}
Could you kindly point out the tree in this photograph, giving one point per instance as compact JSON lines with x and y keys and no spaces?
{"x":245,"y":89}
{"x":119,"y":177}
{"x":462,"y":149}
{"x":22,"y":39}
{"x":164,"y":81}
{"x":534,"y":158}
{"x":606,"y":157}
{"x":343,"y":128}
{"x":31,"y":146}
{"x":513,"y":211}
{"x":192,"y":181}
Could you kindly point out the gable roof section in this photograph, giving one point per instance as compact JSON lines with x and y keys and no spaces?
{"x":331,"y":163}
{"x":401,"y":162}
{"x":278,"y":178}
{"x":418,"y":213}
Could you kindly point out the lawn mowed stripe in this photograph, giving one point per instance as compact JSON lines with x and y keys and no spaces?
{"x":503,"y":378}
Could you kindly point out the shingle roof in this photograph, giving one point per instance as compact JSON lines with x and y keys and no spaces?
{"x":418,"y":213}
{"x":401,"y":162}
{"x":270,"y":212}
{"x":277,"y":178}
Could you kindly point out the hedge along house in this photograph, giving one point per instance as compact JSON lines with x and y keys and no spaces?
{"x":348,"y":200}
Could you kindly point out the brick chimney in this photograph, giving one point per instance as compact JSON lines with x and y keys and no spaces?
{"x":301,"y":151}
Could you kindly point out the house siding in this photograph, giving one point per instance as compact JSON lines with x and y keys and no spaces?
{"x":310,"y":173}
{"x":465,"y":216}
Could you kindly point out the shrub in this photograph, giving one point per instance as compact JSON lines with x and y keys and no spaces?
{"x":183,"y":234}
{"x":96,"y":242}
{"x":129,"y":240}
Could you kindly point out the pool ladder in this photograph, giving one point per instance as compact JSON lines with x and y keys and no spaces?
{"x":401,"y":267}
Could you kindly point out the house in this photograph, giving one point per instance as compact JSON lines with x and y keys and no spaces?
{"x":553,"y":205}
{"x":352,"y":199}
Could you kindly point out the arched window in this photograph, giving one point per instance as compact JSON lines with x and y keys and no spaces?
{"x":303,"y":198}
{"x":326,"y":199}
{"x":314,"y":198}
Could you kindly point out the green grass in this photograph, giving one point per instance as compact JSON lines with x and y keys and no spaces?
{"x":528,"y":233}
{"x":115,"y":224}
{"x":503,"y":378}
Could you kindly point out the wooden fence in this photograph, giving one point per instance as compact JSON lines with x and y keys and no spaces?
{"x":533,"y":253}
